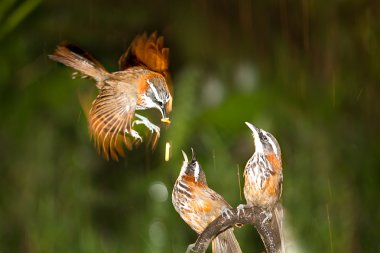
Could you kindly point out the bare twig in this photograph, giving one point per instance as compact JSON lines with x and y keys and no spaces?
{"x":269,"y":231}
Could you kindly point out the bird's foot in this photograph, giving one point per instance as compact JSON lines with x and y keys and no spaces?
{"x":190,"y":248}
{"x":136,"y":136}
{"x":227,"y":212}
{"x":240,"y":208}
{"x":145,"y":121}
{"x":268,"y":216}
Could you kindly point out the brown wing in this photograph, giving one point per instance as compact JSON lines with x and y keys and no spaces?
{"x":147,"y":51}
{"x":110,"y":121}
{"x":204,"y":207}
{"x":215,"y":200}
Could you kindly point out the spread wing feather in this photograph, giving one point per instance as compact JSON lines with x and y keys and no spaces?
{"x":110,"y":120}
{"x":147,"y":51}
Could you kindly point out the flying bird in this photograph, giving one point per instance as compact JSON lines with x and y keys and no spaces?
{"x":141,"y":83}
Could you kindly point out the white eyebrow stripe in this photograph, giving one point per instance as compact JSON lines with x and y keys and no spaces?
{"x":196,"y":171}
{"x":154,"y":90}
{"x":272,"y":143}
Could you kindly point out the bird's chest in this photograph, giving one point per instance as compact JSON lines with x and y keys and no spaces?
{"x":262,"y":182}
{"x":257,"y":172}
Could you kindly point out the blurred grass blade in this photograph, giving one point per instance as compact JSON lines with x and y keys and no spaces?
{"x":183,"y":115}
{"x":5,"y":5}
{"x":17,"y":16}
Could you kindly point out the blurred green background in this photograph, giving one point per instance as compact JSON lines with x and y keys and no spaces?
{"x":307,"y":71}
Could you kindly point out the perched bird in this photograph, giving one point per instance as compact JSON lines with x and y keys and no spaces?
{"x":263,"y":172}
{"x":140,"y":84}
{"x":198,"y":205}
{"x":263,"y":176}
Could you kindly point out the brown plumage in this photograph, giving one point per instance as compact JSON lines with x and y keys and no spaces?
{"x":198,"y":205}
{"x":141,"y":83}
{"x":147,"y":51}
{"x":263,"y":177}
{"x":263,"y":172}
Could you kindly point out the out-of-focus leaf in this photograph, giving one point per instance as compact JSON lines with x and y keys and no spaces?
{"x":17,"y":16}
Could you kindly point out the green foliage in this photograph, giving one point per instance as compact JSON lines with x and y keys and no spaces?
{"x":308,"y":72}
{"x":16,"y":16}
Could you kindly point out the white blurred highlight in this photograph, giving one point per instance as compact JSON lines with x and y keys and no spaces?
{"x":158,"y":191}
{"x":157,"y":234}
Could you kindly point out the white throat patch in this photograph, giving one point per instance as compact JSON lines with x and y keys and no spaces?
{"x":259,"y":148}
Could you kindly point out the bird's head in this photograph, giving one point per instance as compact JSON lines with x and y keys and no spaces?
{"x":265,"y":143}
{"x":192,"y":168}
{"x":157,"y":95}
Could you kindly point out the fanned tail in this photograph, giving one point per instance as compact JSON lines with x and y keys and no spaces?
{"x":78,"y":59}
{"x":226,"y":242}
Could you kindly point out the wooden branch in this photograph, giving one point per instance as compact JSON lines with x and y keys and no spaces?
{"x":268,"y":230}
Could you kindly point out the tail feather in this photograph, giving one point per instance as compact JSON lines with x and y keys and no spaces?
{"x":226,"y":242}
{"x":76,"y":58}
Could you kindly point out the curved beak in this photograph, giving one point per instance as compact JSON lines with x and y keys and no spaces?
{"x":164,"y":118}
{"x":193,"y":155}
{"x":255,"y":133}
{"x":185,"y":156}
{"x":254,"y":129}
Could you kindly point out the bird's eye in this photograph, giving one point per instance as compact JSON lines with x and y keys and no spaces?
{"x":264,"y":138}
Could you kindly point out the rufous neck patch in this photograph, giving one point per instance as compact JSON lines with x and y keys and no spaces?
{"x":274,"y":161}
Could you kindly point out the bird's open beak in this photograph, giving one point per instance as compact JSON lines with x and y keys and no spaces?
{"x":185,"y":156}
{"x":193,"y":155}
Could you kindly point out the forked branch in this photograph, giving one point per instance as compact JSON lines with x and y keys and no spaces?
{"x":268,"y":230}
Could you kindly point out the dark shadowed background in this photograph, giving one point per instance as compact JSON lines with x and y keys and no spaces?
{"x":307,"y":71}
